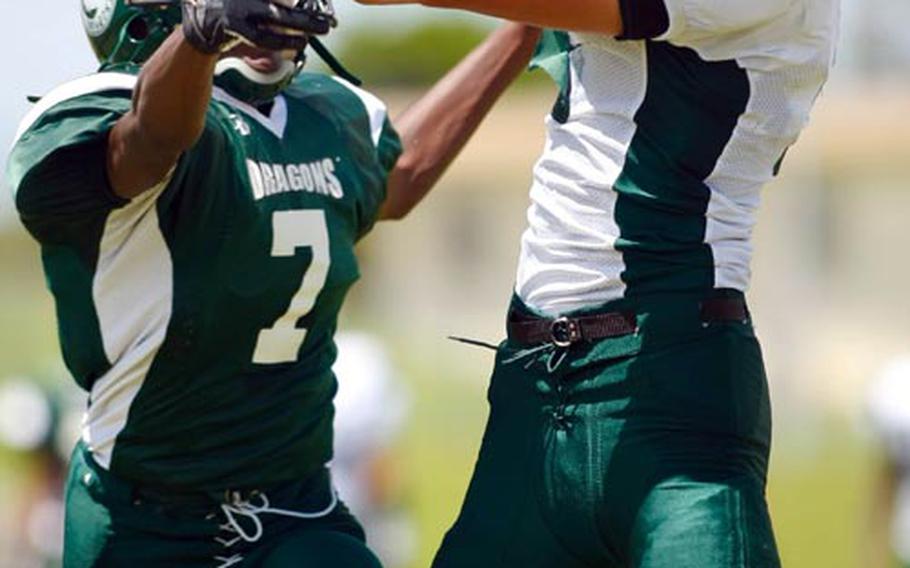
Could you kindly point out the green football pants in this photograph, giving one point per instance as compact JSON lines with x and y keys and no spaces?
{"x":112,"y":523}
{"x":648,"y":451}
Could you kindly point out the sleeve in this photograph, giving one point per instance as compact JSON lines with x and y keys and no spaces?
{"x":388,"y":150}
{"x":687,"y":20}
{"x":377,"y":134}
{"x":57,"y":169}
{"x":552,"y":55}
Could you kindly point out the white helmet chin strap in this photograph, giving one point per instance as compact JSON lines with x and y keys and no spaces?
{"x":287,"y":69}
{"x":247,"y":84}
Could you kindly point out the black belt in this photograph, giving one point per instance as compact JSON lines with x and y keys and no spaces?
{"x":566,"y":331}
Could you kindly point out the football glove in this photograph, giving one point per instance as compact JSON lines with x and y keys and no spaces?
{"x":213,"y":26}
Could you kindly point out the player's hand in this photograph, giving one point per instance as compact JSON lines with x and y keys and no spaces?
{"x":213,"y":26}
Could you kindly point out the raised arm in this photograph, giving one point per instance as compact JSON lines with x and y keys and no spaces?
{"x":597,"y":16}
{"x":174,"y":88}
{"x":630,"y":19}
{"x":167,"y":117}
{"x":436,"y":128}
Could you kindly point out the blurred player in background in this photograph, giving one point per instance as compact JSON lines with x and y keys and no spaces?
{"x":371,"y":409}
{"x":630,"y":421}
{"x":199,"y":242}
{"x":39,"y":426}
{"x":889,"y":410}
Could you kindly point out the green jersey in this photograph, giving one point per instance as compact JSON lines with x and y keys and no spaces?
{"x":200,"y":315}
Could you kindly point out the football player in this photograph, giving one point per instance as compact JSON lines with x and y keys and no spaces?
{"x":372,"y":408}
{"x":630,"y":421}
{"x":197,"y":203}
{"x":888,"y":409}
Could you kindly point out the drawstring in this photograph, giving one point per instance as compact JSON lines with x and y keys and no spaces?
{"x":548,"y":348}
{"x":552,"y":356}
{"x":245,"y":508}
{"x":239,"y":509}
{"x":556,"y":354}
{"x":474,"y":342}
{"x":227,"y":561}
{"x":529,"y":352}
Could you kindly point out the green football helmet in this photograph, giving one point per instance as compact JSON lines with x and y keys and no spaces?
{"x":127,"y":32}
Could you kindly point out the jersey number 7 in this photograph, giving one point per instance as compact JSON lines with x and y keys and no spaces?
{"x":292,"y":230}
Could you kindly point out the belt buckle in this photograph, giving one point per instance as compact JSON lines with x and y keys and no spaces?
{"x":564,"y":332}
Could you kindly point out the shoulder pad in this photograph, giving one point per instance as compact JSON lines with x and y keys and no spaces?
{"x":92,"y":84}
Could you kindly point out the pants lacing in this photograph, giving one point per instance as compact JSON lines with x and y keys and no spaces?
{"x":551,"y":355}
{"x":554,"y":355}
{"x":238,"y":509}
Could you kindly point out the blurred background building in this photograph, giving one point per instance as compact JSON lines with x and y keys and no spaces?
{"x":831,"y":273}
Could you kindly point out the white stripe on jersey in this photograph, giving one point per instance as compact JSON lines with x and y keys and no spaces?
{"x":743,"y":167}
{"x":134,"y":307}
{"x":376,"y":109}
{"x":78,"y":88}
{"x":275,"y":122}
{"x":568,"y":254}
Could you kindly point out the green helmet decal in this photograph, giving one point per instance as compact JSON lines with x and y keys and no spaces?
{"x":97,"y":16}
{"x":128,"y":31}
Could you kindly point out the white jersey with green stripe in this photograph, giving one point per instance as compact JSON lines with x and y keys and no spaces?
{"x":658,"y":147}
{"x":200,"y":315}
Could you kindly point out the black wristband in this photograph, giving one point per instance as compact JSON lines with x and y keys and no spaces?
{"x":644,"y":19}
